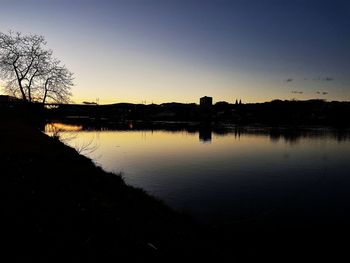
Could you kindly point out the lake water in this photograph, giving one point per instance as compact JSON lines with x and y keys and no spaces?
{"x":230,"y":175}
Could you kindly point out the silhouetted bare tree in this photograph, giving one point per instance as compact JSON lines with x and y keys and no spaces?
{"x":30,"y":71}
{"x":56,"y":83}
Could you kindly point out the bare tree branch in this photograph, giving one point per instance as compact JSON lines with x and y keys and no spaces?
{"x":30,"y":70}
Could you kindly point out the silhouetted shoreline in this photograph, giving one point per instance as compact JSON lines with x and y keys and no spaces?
{"x":291,"y":113}
{"x":60,"y":205}
{"x":277,"y":112}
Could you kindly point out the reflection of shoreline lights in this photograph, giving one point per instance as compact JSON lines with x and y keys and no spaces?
{"x":52,"y":127}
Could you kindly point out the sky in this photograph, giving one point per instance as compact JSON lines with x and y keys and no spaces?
{"x":163,"y":51}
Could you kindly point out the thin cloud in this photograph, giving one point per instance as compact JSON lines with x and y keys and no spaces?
{"x":328,"y":79}
{"x":296,"y":92}
{"x":323,"y":79}
{"x":314,"y":79}
{"x":322,"y":92}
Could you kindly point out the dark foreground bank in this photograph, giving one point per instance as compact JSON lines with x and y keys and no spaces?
{"x":57,"y":205}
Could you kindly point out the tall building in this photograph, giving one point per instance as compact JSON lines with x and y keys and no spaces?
{"x":206,"y":102}
{"x":206,"y":107}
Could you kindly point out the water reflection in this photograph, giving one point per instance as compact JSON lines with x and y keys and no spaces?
{"x":58,"y":126}
{"x":206,"y":132}
{"x":205,"y":135}
{"x":242,"y":173}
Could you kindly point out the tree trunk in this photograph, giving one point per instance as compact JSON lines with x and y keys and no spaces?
{"x":45,"y":94}
{"x":45,"y":86}
{"x":20,"y":83}
{"x":29,"y":95}
{"x":24,"y":97}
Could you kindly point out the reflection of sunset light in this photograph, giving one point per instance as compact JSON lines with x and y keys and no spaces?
{"x":50,"y":127}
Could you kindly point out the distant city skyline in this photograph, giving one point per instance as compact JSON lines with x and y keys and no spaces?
{"x":178,"y":51}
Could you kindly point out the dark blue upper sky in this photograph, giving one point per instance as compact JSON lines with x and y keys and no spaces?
{"x":180,"y":50}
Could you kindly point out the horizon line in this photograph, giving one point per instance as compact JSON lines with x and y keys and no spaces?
{"x":124,"y":102}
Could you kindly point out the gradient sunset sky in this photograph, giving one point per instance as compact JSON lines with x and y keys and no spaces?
{"x":163,"y":51}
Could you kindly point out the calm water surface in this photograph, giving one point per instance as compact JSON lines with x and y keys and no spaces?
{"x":233,"y":176}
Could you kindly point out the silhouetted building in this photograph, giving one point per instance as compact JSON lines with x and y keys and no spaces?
{"x":206,"y":102}
{"x":6,"y":100}
{"x":89,"y":103}
{"x":206,"y":108}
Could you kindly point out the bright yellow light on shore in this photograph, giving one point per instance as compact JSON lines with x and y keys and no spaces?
{"x":54,"y":127}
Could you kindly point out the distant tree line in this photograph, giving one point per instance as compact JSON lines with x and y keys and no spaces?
{"x":277,"y":112}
